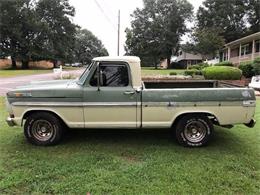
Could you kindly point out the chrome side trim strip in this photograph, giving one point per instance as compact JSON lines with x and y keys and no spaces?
{"x":76,"y":104}
{"x":59,"y":104}
{"x":144,"y":104}
{"x":191,"y":104}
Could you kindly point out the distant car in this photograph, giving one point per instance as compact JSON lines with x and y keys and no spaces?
{"x":76,"y":65}
{"x":255,"y":83}
{"x":67,"y":64}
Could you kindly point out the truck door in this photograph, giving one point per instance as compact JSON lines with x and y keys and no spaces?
{"x":109,"y":99}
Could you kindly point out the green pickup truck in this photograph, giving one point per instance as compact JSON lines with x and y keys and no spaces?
{"x":111,"y":94}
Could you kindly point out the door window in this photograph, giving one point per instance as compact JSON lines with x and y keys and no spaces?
{"x":111,"y":76}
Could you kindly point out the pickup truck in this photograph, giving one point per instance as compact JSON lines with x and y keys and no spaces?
{"x":111,"y":94}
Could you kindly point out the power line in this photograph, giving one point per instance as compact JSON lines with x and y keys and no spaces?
{"x":104,"y":13}
{"x":112,"y":12}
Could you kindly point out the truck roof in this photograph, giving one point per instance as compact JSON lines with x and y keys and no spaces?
{"x":129,"y":59}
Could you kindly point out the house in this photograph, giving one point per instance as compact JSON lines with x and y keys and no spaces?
{"x":163,"y":64}
{"x":242,"y":50}
{"x":186,"y":59}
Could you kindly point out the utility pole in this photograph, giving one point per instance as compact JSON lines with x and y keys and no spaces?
{"x":118,"y":34}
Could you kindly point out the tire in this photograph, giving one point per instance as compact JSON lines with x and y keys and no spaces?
{"x":43,"y":129}
{"x":194,"y":130}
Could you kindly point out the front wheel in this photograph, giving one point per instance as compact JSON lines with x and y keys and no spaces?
{"x":194,"y":130}
{"x":43,"y":129}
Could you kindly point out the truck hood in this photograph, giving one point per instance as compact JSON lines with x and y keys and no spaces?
{"x":47,"y":89}
{"x":45,"y":84}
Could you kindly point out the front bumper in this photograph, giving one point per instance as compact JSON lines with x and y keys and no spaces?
{"x":251,"y":124}
{"x":10,"y":122}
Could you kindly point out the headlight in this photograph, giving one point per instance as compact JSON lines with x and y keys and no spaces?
{"x":18,"y":94}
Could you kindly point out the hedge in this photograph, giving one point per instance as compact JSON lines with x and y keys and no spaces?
{"x":222,"y":73}
{"x":173,"y":73}
{"x":192,"y":72}
{"x":247,"y":69}
{"x":256,"y":66}
{"x":225,"y":63}
{"x":199,"y":66}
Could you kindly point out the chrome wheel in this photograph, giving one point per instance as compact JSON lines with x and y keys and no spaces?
{"x":195,"y":131}
{"x":42,"y":130}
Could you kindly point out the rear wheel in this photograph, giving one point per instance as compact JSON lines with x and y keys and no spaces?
{"x":43,"y":129}
{"x":194,"y":130}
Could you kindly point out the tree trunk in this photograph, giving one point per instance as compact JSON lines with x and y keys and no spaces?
{"x":168,"y":62}
{"x":13,"y":62}
{"x":155,"y":63}
{"x":25,"y":64}
{"x":55,"y":64}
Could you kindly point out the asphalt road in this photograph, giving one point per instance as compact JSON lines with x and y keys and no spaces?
{"x":7,"y":84}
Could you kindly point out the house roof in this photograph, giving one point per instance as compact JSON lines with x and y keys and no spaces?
{"x":188,"y":56}
{"x":244,"y":39}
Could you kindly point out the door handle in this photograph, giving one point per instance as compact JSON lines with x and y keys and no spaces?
{"x":129,"y":92}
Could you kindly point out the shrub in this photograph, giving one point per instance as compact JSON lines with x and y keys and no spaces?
{"x":176,"y":65}
{"x":225,"y":63}
{"x":256,"y":66}
{"x":199,"y":66}
{"x":222,"y":73}
{"x":173,"y":73}
{"x":247,"y":69}
{"x":192,"y":72}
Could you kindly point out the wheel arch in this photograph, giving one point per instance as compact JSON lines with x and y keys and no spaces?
{"x":27,"y":113}
{"x":210,"y":115}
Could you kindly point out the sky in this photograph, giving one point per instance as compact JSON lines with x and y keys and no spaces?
{"x":101,"y":16}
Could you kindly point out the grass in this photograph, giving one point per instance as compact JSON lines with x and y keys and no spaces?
{"x":130,"y":162}
{"x":7,"y":73}
{"x":151,"y":71}
{"x":146,"y":71}
{"x":13,"y":73}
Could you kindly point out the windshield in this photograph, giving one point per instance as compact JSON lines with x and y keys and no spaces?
{"x":84,"y":75}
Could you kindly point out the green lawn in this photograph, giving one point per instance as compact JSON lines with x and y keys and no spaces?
{"x":130,"y":162}
{"x":145,"y":72}
{"x":13,"y":73}
{"x":150,"y":71}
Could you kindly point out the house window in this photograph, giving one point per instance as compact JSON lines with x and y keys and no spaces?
{"x":257,"y":46}
{"x":245,"y":49}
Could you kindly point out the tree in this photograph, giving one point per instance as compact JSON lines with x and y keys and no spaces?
{"x":156,"y":29}
{"x":253,"y":15}
{"x":58,"y":32}
{"x":87,"y":46}
{"x":36,"y":30}
{"x":234,"y":17}
{"x":16,"y":26}
{"x":206,"y":42}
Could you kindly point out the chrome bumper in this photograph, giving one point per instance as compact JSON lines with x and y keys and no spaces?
{"x":10,"y":122}
{"x":251,"y":124}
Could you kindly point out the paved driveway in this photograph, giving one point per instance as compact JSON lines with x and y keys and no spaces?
{"x":7,"y":84}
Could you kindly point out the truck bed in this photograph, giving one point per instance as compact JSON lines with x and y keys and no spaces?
{"x":168,"y":84}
